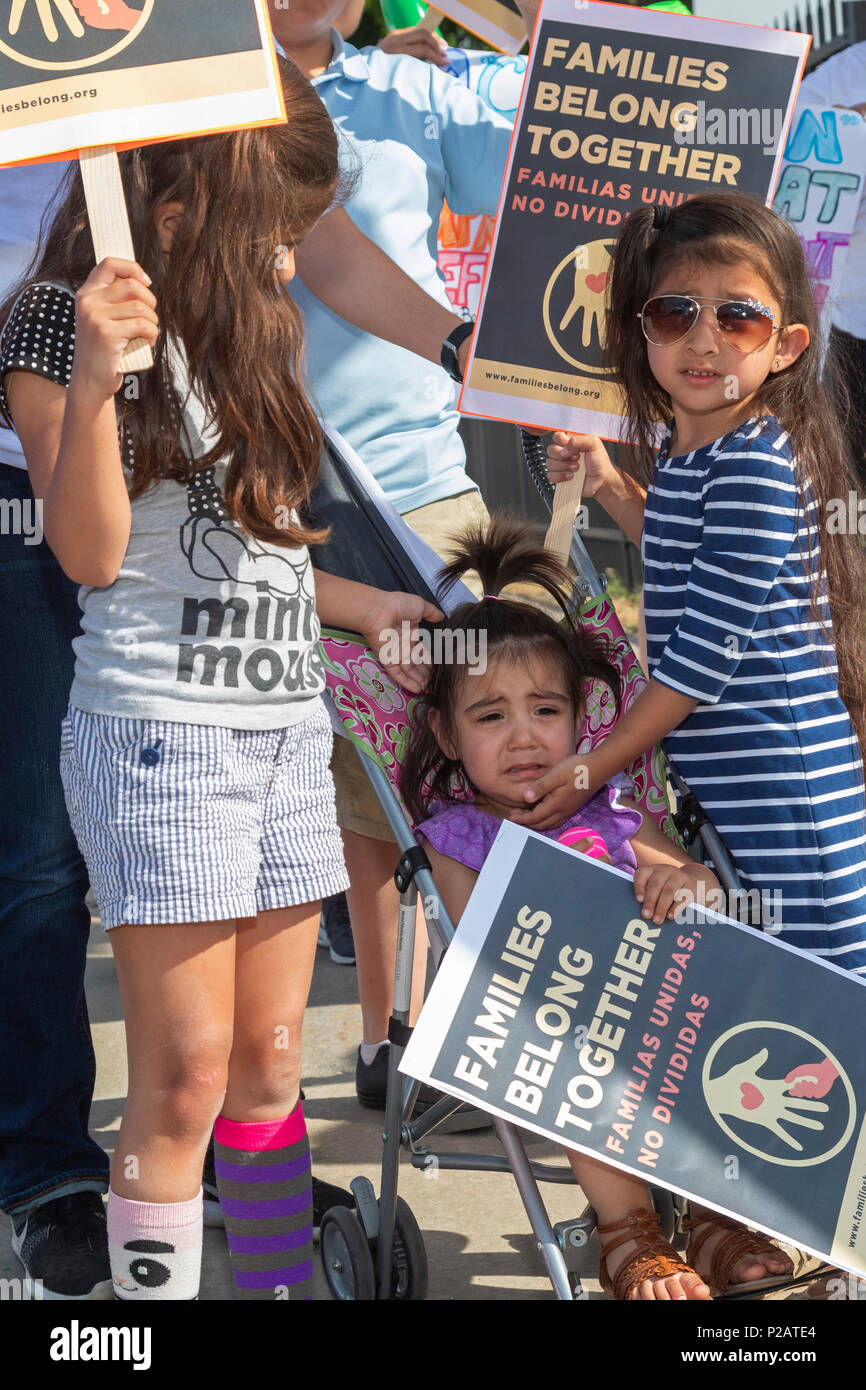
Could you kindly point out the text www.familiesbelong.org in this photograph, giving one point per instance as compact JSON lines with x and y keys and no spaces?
{"x":62,"y":97}
{"x":540,"y":383}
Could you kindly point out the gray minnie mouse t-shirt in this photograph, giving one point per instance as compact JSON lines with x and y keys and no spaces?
{"x":203,"y":624}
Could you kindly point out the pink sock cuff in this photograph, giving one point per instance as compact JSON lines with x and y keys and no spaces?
{"x":261,"y":1134}
{"x":128,"y":1220}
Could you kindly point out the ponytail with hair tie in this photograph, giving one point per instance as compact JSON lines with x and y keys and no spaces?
{"x":661,"y":218}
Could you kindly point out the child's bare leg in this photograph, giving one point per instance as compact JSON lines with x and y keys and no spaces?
{"x":177,"y":987}
{"x":274,"y":969}
{"x":613,"y":1194}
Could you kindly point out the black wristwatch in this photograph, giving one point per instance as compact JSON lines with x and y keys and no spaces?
{"x":448,"y":356}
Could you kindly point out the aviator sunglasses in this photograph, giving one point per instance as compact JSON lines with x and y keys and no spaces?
{"x":746,"y":324}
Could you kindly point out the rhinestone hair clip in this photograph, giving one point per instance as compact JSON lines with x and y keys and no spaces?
{"x":762,"y":308}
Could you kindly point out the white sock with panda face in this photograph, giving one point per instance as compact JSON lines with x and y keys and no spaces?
{"x":154,"y":1248}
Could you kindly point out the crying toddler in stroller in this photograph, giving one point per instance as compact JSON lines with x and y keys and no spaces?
{"x":478,"y":740}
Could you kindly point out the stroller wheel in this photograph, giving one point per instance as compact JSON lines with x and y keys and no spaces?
{"x":346,"y":1257}
{"x":409,"y":1267}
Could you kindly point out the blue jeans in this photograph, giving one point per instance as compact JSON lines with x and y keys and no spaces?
{"x":47,"y":1064}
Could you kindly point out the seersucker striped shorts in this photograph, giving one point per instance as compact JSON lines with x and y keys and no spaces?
{"x":199,"y":823}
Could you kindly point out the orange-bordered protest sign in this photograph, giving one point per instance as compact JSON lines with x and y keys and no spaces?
{"x":77,"y":73}
{"x":90,"y":76}
{"x":621,"y":108}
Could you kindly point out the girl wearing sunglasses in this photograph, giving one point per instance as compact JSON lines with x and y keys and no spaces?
{"x":754,"y":595}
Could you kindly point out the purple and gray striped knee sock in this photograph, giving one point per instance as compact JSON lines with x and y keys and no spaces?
{"x":266,"y":1194}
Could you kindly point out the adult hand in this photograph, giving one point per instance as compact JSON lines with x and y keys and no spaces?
{"x":564,"y":454}
{"x":552,"y":799}
{"x":384,"y":632}
{"x":417,"y":43}
{"x":112,"y":307}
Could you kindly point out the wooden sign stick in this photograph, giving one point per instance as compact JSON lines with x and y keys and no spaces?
{"x":566,"y":501}
{"x":431,"y":20}
{"x":109,"y":226}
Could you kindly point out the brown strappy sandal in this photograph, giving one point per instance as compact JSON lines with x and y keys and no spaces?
{"x":738,"y":1242}
{"x":654,"y":1258}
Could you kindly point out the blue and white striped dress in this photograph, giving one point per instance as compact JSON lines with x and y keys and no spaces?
{"x":770,"y":751}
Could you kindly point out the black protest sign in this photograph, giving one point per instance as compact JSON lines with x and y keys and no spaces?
{"x":700,"y":1055}
{"x":82,"y":73}
{"x":620,"y":109}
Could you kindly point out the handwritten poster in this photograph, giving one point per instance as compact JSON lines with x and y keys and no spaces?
{"x":698,"y":1055}
{"x":464,"y":242}
{"x":611,"y":119}
{"x":79,"y":73}
{"x":819,"y":191}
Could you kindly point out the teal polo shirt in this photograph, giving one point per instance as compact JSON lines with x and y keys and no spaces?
{"x":415,"y":137}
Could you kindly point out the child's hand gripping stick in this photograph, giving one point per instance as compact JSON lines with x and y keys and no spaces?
{"x":585,"y":841}
{"x":109,"y":226}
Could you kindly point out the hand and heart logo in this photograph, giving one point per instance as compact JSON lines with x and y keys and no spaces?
{"x":779,"y":1093}
{"x":66,"y":35}
{"x":573,"y":309}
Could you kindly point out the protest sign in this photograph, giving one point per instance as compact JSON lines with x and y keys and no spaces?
{"x":616,"y":113}
{"x":819,"y":192}
{"x":497,"y":22}
{"x":699,"y":1054}
{"x":464,"y":241}
{"x":76,"y":73}
{"x":91,"y":75}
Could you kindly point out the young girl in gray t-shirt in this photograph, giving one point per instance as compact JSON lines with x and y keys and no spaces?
{"x":195,"y":750}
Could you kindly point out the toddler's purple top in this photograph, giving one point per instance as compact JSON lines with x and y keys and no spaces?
{"x":462,"y":831}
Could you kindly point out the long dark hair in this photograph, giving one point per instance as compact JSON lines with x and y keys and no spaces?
{"x":246,"y":197}
{"x":501,"y":553}
{"x":724,"y":229}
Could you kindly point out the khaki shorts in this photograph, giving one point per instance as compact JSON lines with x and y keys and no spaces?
{"x":357,"y":806}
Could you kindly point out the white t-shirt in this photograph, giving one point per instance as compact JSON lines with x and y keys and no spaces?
{"x":841,"y":81}
{"x":204,"y":623}
{"x":24,"y":194}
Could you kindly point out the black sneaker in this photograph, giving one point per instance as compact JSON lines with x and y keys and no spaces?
{"x":64,"y":1245}
{"x":371,"y":1085}
{"x":325,"y":1196}
{"x":212,"y":1211}
{"x":335,"y":930}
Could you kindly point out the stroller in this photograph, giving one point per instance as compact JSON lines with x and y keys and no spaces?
{"x":376,"y":1251}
